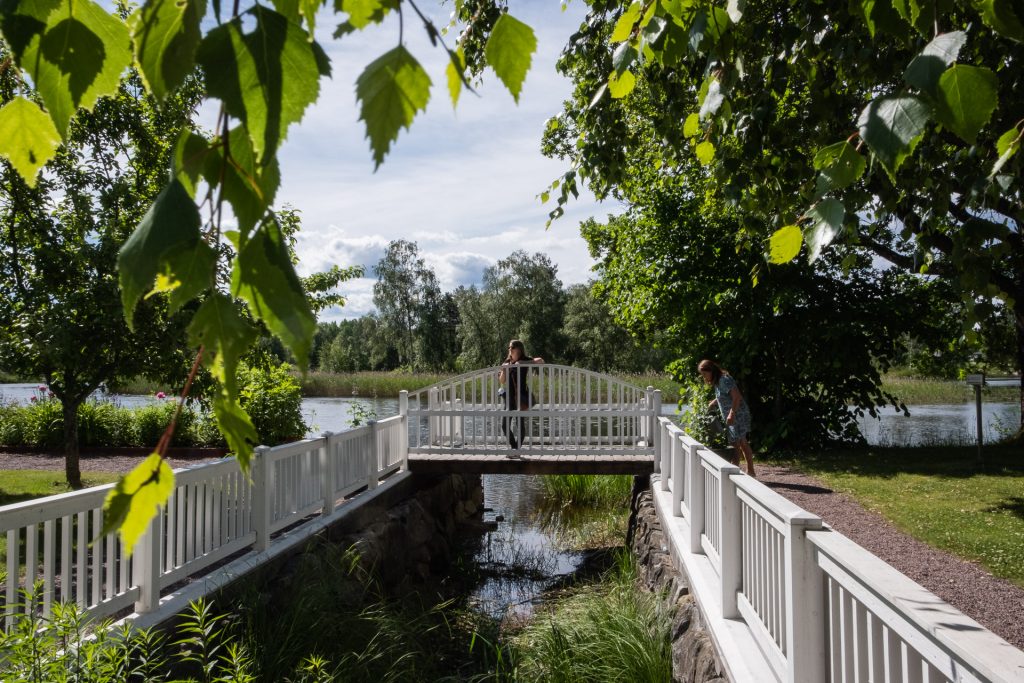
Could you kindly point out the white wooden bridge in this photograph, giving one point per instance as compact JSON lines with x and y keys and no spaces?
{"x":783,"y":597}
{"x":578,"y":422}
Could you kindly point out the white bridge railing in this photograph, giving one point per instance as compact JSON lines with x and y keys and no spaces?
{"x":214,"y":512}
{"x":817,"y":606}
{"x":571,"y":412}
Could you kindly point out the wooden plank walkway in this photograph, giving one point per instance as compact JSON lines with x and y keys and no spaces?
{"x":449,"y":463}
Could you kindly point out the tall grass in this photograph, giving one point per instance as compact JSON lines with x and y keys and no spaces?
{"x":595,"y":491}
{"x":366,"y":384}
{"x":608,"y":632}
{"x":929,"y":391}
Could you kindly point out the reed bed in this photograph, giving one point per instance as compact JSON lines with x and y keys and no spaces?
{"x":605,"y":632}
{"x":932,"y":391}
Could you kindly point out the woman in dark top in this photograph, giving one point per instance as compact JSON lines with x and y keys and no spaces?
{"x":517,"y":396}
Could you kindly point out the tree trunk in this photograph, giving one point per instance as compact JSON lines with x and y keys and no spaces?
{"x":71,"y":465}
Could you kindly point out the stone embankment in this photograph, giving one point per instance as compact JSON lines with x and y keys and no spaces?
{"x":694,"y":659}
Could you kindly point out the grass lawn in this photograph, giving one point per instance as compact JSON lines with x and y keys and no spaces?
{"x":940,"y":496}
{"x":19,"y":485}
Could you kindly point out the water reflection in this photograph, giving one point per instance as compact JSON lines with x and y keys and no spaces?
{"x":519,"y":559}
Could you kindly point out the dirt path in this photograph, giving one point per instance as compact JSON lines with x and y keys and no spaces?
{"x":995,"y":603}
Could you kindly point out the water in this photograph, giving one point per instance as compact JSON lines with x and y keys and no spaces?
{"x":940,"y":425}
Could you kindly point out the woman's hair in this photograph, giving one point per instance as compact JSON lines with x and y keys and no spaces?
{"x":515,"y":344}
{"x":714,"y":368}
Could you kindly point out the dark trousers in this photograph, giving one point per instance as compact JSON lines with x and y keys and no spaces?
{"x":519,"y":428}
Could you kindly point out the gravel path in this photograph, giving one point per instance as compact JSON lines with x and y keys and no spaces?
{"x":995,"y":603}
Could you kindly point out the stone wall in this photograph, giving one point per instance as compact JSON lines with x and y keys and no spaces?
{"x":694,"y":659}
{"x":415,"y":538}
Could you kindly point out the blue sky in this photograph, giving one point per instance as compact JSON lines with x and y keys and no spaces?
{"x":462,"y":183}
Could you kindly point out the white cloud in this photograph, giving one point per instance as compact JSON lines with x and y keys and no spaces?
{"x":462,"y":184}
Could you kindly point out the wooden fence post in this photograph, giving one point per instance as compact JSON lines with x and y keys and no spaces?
{"x":261,"y":503}
{"x":403,"y":443}
{"x":730,"y":537}
{"x":327,"y":474}
{"x":805,"y":603}
{"x":372,"y":468}
{"x":146,"y":565}
{"x":696,"y":498}
{"x":679,"y":479}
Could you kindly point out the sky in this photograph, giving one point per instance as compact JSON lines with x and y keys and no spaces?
{"x":462,"y":183}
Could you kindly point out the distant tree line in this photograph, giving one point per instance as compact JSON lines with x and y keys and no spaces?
{"x":419,"y":327}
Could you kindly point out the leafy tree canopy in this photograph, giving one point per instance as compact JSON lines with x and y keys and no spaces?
{"x":890,"y":126}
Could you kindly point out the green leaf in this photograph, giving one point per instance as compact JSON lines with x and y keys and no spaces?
{"x":840,"y":164}
{"x":509,"y":51}
{"x":691,"y":126}
{"x":878,"y":15}
{"x":784,"y":244}
{"x":623,"y":57}
{"x":249,"y":187}
{"x":1003,"y":17}
{"x":621,"y":85}
{"x":966,"y":98}
{"x":925,"y":69}
{"x":133,"y":503}
{"x":454,"y":71}
{"x":264,"y":277}
{"x":28,"y":138}
{"x":892,"y":125}
{"x":265,"y":78}
{"x":705,"y":153}
{"x":361,"y":12}
{"x":166,"y":34}
{"x":171,"y":224}
{"x":237,"y":428}
{"x":391,"y":90}
{"x":190,"y":152}
{"x":1007,"y":145}
{"x":826,"y":220}
{"x":224,"y":335}
{"x":74,"y":52}
{"x":185,"y":274}
{"x":624,"y":26}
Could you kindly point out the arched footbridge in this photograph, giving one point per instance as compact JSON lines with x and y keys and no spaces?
{"x":576,"y":422}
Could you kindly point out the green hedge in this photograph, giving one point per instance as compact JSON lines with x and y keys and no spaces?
{"x":271,"y":396}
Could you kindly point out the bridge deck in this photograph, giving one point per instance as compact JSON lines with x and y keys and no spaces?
{"x":530,"y":464}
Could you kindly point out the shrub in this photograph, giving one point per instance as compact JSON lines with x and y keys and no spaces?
{"x":273,"y":399}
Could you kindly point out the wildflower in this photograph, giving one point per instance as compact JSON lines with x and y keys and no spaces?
{"x":41,"y":387}
{"x":32,"y":398}
{"x":161,"y":394}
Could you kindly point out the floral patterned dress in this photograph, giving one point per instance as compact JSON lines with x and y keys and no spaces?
{"x":741,"y":417}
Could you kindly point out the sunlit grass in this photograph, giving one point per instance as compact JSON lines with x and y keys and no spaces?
{"x":609,"y":631}
{"x":19,"y":485}
{"x":929,"y":391}
{"x":940,"y":496}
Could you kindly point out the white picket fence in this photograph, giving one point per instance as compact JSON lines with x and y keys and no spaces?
{"x":572,"y":412}
{"x":817,"y":607}
{"x":213,"y":513}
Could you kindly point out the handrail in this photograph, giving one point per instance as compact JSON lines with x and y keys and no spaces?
{"x":213,"y":512}
{"x":816,"y":606}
